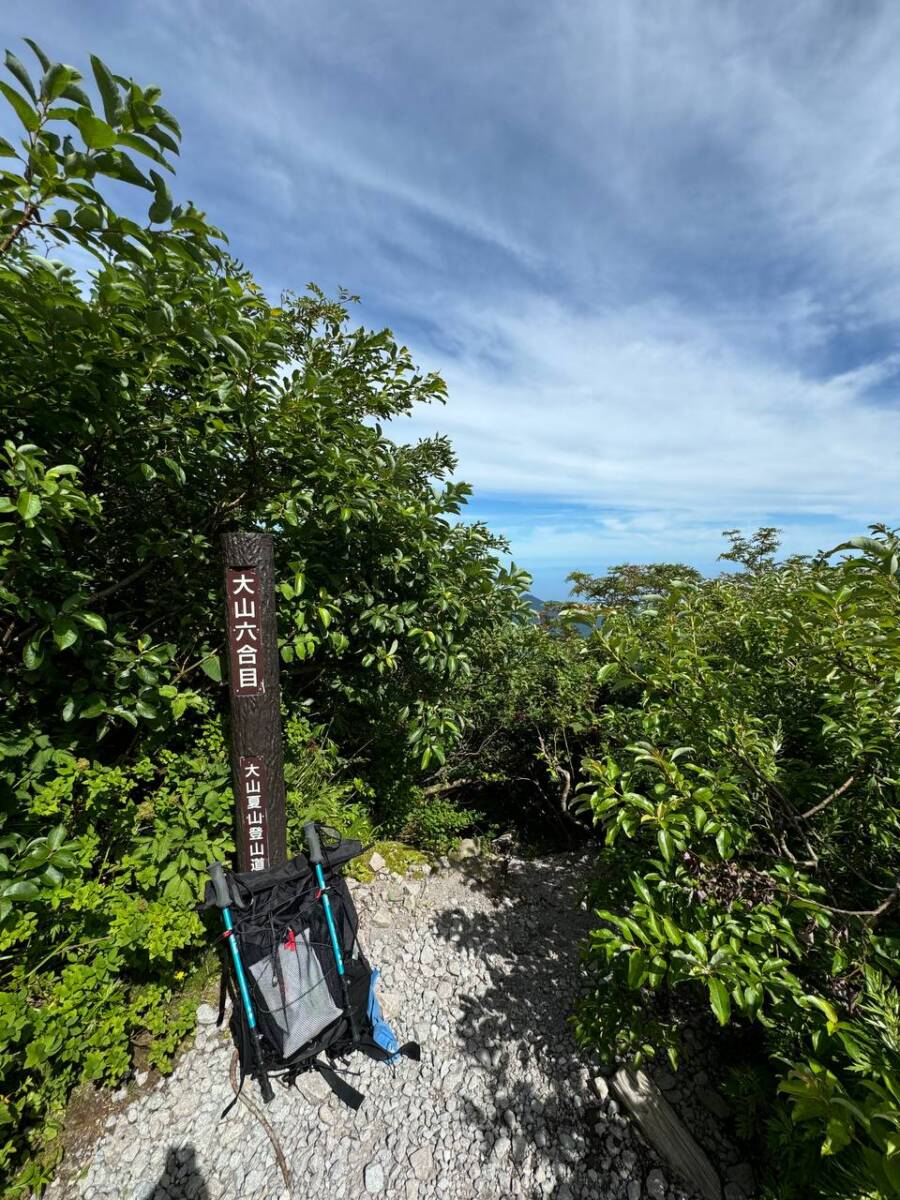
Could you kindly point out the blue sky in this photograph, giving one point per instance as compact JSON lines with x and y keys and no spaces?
{"x":653,"y":248}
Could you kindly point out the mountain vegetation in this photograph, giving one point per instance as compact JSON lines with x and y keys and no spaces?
{"x":729,"y":744}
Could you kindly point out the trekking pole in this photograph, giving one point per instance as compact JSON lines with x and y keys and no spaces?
{"x":315,"y":857}
{"x":223,"y":901}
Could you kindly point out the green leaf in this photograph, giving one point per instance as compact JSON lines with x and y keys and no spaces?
{"x":15,"y":67}
{"x":212,"y":666}
{"x":176,"y":469}
{"x":230,"y":344}
{"x":96,"y":133}
{"x":642,"y":890}
{"x":637,"y":968}
{"x":7,"y":149}
{"x":56,"y":80}
{"x":839,"y":1134}
{"x":92,"y":620}
{"x":695,"y":943}
{"x":673,"y":933}
{"x":823,"y":1006}
{"x":146,"y":710}
{"x":38,"y":53}
{"x":77,"y":95}
{"x":107,"y":87}
{"x":723,"y":843}
{"x":23,"y":889}
{"x":36,"y":858}
{"x":65,"y":633}
{"x":719,"y":1000}
{"x":142,"y":146}
{"x":88,"y":217}
{"x":28,"y":505}
{"x":666,"y":845}
{"x":56,"y":837}
{"x":24,"y":111}
{"x":164,"y":139}
{"x":165,"y":118}
{"x":161,"y":208}
{"x":120,"y":166}
{"x":33,"y":655}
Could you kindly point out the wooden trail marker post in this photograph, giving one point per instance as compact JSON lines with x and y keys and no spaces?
{"x":257,"y":754}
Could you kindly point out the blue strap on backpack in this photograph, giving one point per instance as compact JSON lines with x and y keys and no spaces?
{"x":382,"y":1034}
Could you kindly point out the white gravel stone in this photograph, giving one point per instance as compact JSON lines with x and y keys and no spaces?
{"x":422,"y":1163}
{"x":656,"y":1185}
{"x":373,"y":1178}
{"x":207,"y":1015}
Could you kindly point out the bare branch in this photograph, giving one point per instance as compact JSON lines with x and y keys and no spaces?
{"x":811,"y":812}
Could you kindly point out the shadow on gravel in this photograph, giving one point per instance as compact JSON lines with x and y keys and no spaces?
{"x":527,"y":1080}
{"x":181,"y":1179}
{"x":534,"y":1084}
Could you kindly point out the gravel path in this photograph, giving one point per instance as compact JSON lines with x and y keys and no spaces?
{"x":480,"y":966}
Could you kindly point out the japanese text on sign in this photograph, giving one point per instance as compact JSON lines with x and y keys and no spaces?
{"x":254,"y":811}
{"x":244,"y":637}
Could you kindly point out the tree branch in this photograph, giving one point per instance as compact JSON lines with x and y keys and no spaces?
{"x":811,"y":812}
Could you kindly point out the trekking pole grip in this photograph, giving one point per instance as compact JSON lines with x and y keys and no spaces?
{"x":312,"y":841}
{"x":220,"y":885}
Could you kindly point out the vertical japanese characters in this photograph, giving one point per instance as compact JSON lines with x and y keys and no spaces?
{"x":248,"y":679}
{"x":254,"y":812}
{"x":257,"y":755}
{"x":245,"y":643}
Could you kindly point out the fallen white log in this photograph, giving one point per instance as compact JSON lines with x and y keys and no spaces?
{"x":665,"y":1131}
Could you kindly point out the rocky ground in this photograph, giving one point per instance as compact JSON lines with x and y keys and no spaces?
{"x":479,"y":964}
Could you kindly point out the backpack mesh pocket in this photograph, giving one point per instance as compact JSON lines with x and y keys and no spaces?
{"x":295,"y":992}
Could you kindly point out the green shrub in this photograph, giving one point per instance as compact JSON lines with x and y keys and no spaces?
{"x":147,"y":408}
{"x":749,"y":803}
{"x":318,"y":788}
{"x":95,"y":953}
{"x":434,"y":823}
{"x":528,"y":717}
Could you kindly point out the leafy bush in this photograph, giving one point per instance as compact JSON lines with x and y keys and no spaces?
{"x":319,"y":787}
{"x":147,"y":406}
{"x":434,"y":822}
{"x":528,"y":711}
{"x":94,"y":953}
{"x":750,"y":793}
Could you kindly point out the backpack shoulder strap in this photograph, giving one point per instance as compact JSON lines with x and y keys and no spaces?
{"x":370,"y":1047}
{"x":344,"y":1091}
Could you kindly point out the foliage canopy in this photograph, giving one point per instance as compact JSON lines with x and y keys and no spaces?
{"x":747,"y":791}
{"x":152,"y":397}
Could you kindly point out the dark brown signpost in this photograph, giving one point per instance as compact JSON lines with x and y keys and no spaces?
{"x":257,"y":757}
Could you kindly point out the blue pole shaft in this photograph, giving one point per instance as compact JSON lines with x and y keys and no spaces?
{"x":239,"y":969}
{"x":332,"y":932}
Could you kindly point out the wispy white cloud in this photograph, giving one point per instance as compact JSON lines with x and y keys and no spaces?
{"x":648,"y":408}
{"x":654,"y":248}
